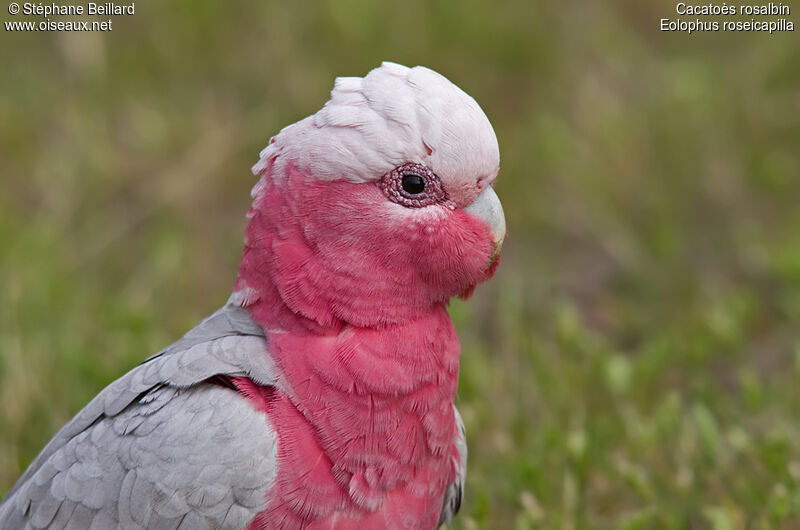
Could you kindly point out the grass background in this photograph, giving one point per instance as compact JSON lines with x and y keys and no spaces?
{"x":634,"y":363}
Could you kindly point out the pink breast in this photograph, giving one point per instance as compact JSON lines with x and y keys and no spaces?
{"x":365,"y":426}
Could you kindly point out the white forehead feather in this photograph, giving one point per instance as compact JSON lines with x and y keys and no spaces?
{"x":393,"y":115}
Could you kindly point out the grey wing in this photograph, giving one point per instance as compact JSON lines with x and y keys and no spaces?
{"x":455,"y":490}
{"x":161,"y":447}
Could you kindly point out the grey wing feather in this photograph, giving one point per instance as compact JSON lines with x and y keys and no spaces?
{"x":455,"y":490}
{"x":159,"y":447}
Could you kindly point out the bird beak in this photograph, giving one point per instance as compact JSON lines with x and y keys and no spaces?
{"x":487,"y":207}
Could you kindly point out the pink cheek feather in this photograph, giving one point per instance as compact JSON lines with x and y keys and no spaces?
{"x":338,"y":251}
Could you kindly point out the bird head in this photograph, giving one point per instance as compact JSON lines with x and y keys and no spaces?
{"x":378,"y":207}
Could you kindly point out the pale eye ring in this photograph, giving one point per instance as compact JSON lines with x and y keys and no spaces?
{"x":412,"y":185}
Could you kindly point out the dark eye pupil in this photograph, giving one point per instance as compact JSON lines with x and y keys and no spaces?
{"x":413,"y":184}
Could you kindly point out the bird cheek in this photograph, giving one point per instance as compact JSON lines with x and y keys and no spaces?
{"x":451,"y":258}
{"x":419,"y":235}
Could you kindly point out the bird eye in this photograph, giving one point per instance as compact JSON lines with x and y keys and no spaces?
{"x":413,"y":184}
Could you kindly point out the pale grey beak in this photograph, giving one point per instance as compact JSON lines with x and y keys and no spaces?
{"x":487,"y":206}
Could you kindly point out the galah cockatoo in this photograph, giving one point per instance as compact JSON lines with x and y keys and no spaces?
{"x":321,"y":395}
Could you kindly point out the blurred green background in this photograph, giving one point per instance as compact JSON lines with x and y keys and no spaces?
{"x":634,"y":363}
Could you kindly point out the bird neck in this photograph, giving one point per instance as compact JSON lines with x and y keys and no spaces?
{"x":364,"y":419}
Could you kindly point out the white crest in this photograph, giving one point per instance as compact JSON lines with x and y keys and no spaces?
{"x":391,"y":116}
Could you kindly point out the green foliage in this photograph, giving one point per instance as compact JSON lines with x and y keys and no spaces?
{"x":633,"y":365}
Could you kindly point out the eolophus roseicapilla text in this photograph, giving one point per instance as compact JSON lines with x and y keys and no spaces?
{"x":321,"y":395}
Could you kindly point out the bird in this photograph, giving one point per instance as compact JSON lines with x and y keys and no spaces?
{"x":321,"y":395}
